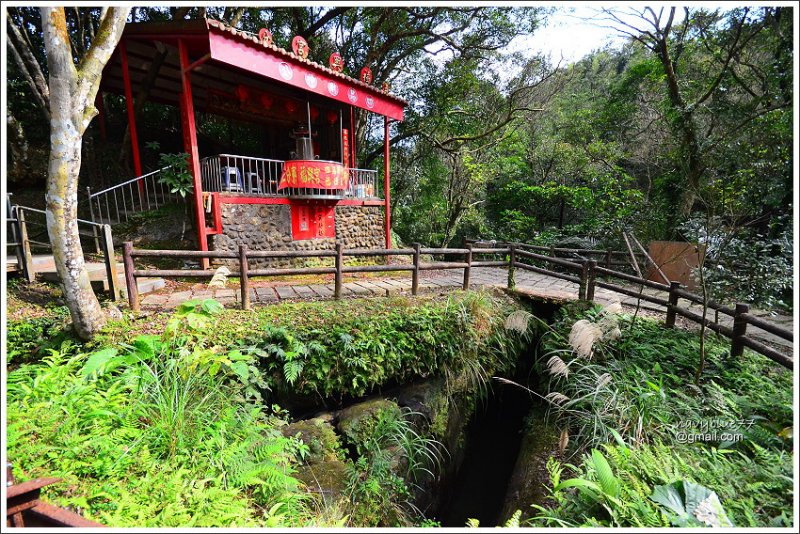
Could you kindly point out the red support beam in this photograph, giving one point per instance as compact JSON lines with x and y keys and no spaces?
{"x":386,"y":192}
{"x":190,"y":142}
{"x":126,"y":80}
{"x":353,"y":138}
{"x":233,"y":199}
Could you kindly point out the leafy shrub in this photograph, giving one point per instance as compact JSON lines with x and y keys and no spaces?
{"x":744,"y":265}
{"x":632,"y":398}
{"x":164,"y":431}
{"x":351,"y":348}
{"x":26,"y":338}
{"x":392,"y":455}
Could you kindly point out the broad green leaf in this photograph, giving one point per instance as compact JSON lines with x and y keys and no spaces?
{"x":146,"y":346}
{"x":578,"y":483}
{"x":188,"y":306}
{"x":97,"y":360}
{"x":241,"y":369}
{"x":211,"y":306}
{"x":605,"y":475}
{"x":670,"y":497}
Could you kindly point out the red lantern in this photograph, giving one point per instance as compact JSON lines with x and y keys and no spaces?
{"x":336,"y":62}
{"x":291,"y":106}
{"x":265,"y":36}
{"x":332,"y":117}
{"x":366,"y":75}
{"x":265,"y":100}
{"x":314,"y":112}
{"x":242,"y":93}
{"x":300,"y":47}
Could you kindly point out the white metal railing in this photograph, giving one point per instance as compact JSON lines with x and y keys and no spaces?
{"x":228,"y":173}
{"x":221,"y":173}
{"x":117,"y":203}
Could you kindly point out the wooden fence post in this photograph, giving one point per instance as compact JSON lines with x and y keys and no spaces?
{"x":15,"y":232}
{"x":608,"y":259}
{"x":30,"y":274}
{"x":337,"y":283}
{"x":244,"y":280}
{"x":512,"y":258}
{"x":110,"y":261}
{"x":415,"y":272}
{"x":467,"y":269}
{"x":673,"y":302}
{"x":584,"y":280}
{"x":739,"y":329}
{"x":130,"y":279}
{"x":590,"y":280}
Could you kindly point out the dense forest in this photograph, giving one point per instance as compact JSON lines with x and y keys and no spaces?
{"x":683,"y":132}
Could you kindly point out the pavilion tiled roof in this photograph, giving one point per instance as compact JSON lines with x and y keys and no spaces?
{"x":251,"y":38}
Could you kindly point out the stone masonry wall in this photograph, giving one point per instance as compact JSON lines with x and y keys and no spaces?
{"x":269,"y":227}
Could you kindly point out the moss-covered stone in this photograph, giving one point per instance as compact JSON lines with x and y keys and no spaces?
{"x":429,"y":400}
{"x":357,"y":422}
{"x":529,"y":479}
{"x":320,"y":437}
{"x":327,"y":478}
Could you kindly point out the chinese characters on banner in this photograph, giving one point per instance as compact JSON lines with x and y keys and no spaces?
{"x":317,"y":174}
{"x":313,"y":221}
{"x":346,"y":148}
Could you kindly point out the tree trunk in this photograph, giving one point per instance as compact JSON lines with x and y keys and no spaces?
{"x":72,"y":94}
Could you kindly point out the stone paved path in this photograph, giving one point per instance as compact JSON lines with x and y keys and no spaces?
{"x":538,"y":285}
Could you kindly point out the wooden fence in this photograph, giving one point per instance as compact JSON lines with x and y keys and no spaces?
{"x":587,"y":274}
{"x":27,"y":229}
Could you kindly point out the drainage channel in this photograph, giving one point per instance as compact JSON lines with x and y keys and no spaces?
{"x":493,"y":442}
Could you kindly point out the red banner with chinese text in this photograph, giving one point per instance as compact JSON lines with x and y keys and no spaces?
{"x":346,"y":147}
{"x":310,"y":173}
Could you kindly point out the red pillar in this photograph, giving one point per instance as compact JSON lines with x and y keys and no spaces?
{"x":190,"y":142}
{"x":126,"y":80}
{"x":353,"y":138}
{"x":386,"y":192}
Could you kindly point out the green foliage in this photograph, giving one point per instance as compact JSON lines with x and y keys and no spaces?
{"x":27,"y":338}
{"x":633,"y":401}
{"x":175,"y":173}
{"x":744,"y":265}
{"x":337,"y":349}
{"x":392,"y":454}
{"x":147,"y":434}
{"x":691,"y":504}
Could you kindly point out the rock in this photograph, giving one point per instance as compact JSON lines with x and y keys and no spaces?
{"x":356,"y":423}
{"x":328,"y":478}
{"x":529,"y":479}
{"x":318,"y":434}
{"x":113,"y":312}
{"x":429,"y":401}
{"x":268,"y":227}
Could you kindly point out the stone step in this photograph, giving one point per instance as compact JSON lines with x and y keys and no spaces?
{"x":97,"y":272}
{"x":144,"y":285}
{"x":97,"y":275}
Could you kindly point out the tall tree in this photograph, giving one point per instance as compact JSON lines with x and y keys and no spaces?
{"x":72,"y":90}
{"x":702,"y":58}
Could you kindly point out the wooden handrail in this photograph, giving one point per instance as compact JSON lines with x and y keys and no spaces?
{"x":587,"y":270}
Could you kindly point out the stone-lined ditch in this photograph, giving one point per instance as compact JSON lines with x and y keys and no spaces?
{"x":497,"y":443}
